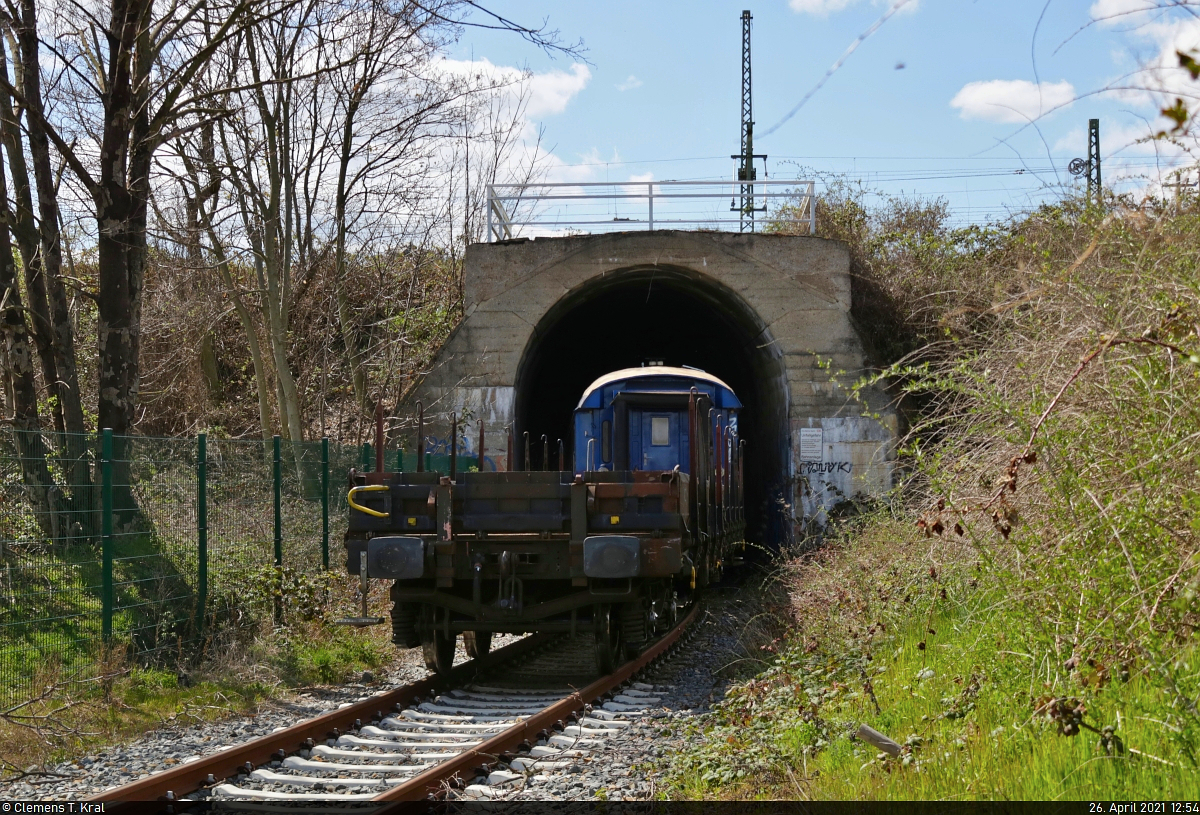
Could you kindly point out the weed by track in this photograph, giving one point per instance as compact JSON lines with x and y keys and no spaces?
{"x":1020,"y":616}
{"x":235,"y":676}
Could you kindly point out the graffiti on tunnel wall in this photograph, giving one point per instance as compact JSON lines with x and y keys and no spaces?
{"x":840,"y":458}
{"x":824,"y":467}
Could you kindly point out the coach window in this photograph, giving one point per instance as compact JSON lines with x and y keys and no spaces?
{"x":606,"y":441}
{"x":660,"y":431}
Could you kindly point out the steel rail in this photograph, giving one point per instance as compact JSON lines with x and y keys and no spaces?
{"x":438,"y":777}
{"x":167,"y":788}
{"x":187,"y":778}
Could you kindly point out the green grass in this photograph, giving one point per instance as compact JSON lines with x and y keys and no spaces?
{"x":72,"y":724}
{"x":965,"y":707}
{"x":156,"y":695}
{"x":315,"y":655}
{"x":100,"y":696}
{"x":82,"y":717}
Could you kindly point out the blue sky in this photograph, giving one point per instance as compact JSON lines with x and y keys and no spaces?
{"x":659,"y":95}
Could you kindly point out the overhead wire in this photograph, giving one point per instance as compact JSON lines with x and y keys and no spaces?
{"x":1148,"y":160}
{"x":895,"y":7}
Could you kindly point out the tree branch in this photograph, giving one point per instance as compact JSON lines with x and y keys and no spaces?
{"x":64,"y":149}
{"x":548,"y":41}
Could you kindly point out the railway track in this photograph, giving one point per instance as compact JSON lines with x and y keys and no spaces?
{"x":486,"y":727}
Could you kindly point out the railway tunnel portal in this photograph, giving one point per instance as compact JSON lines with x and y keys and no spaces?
{"x":768,"y":314}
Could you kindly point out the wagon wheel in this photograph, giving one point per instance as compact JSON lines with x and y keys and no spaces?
{"x":477,"y":643}
{"x":436,"y":645}
{"x":438,"y":650}
{"x":608,"y":638}
{"x":671,"y":608}
{"x":635,"y":628}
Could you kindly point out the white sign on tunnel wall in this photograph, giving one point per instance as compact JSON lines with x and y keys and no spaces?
{"x":811,"y":444}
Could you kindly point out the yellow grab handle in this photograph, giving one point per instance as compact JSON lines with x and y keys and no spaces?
{"x":369,"y":511}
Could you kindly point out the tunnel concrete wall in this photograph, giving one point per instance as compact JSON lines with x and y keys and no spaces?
{"x":796,"y":291}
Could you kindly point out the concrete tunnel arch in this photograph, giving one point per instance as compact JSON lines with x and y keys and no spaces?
{"x":770,"y":314}
{"x":624,"y":318}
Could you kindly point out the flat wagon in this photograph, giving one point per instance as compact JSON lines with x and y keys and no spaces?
{"x":650,"y":513}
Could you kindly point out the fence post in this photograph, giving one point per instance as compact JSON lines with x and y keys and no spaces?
{"x":812,"y":208}
{"x":277,"y":477}
{"x":325,"y":503}
{"x":106,"y":533}
{"x":201,"y":532}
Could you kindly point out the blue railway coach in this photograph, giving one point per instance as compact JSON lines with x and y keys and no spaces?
{"x":637,"y":418}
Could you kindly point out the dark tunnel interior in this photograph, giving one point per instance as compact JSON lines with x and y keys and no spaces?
{"x":624,"y":320}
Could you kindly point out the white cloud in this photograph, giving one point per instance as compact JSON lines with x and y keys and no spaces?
{"x":629,"y":84}
{"x":1011,"y":100}
{"x":549,"y":93}
{"x":583,"y":169}
{"x":637,"y":182}
{"x":823,"y":8}
{"x":1111,"y":12}
{"x":519,"y":99}
{"x":1161,"y":75}
{"x":818,"y":7}
{"x":1154,"y":30}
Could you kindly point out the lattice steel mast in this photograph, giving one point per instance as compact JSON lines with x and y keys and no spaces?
{"x":1095,"y":187}
{"x":746,"y":172}
{"x":1091,"y":167}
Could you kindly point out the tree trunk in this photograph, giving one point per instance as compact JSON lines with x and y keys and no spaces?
{"x":18,"y":358}
{"x":345,"y":317}
{"x":50,"y":239}
{"x":207,"y":191}
{"x":350,"y":336}
{"x":261,"y":379}
{"x":120,"y":243}
{"x":273,"y":253}
{"x":6,"y":388}
{"x":25,"y":231}
{"x":291,"y":425}
{"x":289,"y":398}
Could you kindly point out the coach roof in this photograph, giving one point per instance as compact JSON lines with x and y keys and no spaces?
{"x":661,"y":371}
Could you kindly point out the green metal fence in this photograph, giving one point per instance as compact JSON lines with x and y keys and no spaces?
{"x":142,"y":548}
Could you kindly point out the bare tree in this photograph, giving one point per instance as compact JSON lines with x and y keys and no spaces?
{"x":18,"y":365}
{"x":201,"y":182}
{"x":39,"y":239}
{"x":339,"y":102}
{"x":128,"y":70}
{"x":303,"y":90}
